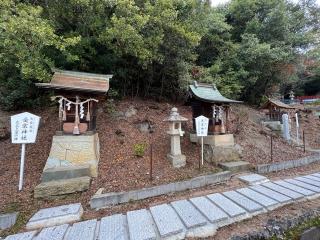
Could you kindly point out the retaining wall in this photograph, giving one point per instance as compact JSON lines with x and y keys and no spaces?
{"x":108,"y":199}
{"x":273,"y":167}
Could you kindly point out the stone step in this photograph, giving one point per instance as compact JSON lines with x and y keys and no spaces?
{"x":228,"y":206}
{"x":316,"y":175}
{"x":312,"y":177}
{"x":48,"y":217}
{"x":66,"y":172}
{"x":208,"y":209}
{"x":292,"y":194}
{"x":189,"y":215}
{"x":141,"y":226}
{"x":253,"y":179}
{"x":113,"y":228}
{"x":272,"y":194}
{"x":167,"y":221}
{"x":259,"y":198}
{"x":309,"y":181}
{"x":82,"y":230}
{"x":61,"y":187}
{"x":244,"y":202}
{"x":235,"y":166}
{"x":22,"y":236}
{"x":303,"y":185}
{"x":53,"y":233}
{"x":295,"y":188}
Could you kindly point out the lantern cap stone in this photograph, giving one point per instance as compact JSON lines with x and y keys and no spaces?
{"x":175,"y":116}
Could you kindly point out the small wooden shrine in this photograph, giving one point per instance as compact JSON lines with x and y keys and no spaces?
{"x":77,"y":94}
{"x":276,"y":109}
{"x":206,"y":100}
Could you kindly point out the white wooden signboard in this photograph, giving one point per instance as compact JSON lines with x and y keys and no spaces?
{"x":202,"y":124}
{"x":24,"y":129}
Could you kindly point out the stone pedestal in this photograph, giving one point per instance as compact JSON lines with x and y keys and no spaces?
{"x":224,"y":140}
{"x":219,"y":148}
{"x":175,"y":156}
{"x":177,"y":160}
{"x":71,"y":150}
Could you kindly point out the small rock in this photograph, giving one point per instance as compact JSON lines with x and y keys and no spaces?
{"x":130,"y":112}
{"x":120,"y":133}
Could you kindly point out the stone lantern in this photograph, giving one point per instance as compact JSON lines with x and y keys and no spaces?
{"x":175,"y":156}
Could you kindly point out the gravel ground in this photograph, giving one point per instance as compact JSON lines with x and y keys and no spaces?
{"x":119,"y":169}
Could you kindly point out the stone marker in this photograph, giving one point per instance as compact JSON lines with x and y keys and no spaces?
{"x":8,"y":220}
{"x":258,"y":197}
{"x":60,"y":187}
{"x":113,"y":228}
{"x":253,"y":179}
{"x":22,"y":236}
{"x":292,"y":194}
{"x":82,"y":230}
{"x":207,"y":208}
{"x":303,"y":185}
{"x":190,"y":216}
{"x":295,"y":188}
{"x":167,"y":220}
{"x":232,"y":209}
{"x":53,"y":233}
{"x":48,"y":217}
{"x":244,"y":202}
{"x":235,"y":166}
{"x":141,"y":226}
{"x":271,"y":194}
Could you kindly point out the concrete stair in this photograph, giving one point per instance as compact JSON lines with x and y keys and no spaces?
{"x":195,"y":217}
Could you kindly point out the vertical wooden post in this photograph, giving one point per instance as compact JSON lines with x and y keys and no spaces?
{"x":271,"y":143}
{"x":151,"y":159}
{"x":227,"y":119}
{"x":304,"y":141}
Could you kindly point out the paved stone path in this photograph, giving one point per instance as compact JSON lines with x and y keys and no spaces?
{"x":195,"y":217}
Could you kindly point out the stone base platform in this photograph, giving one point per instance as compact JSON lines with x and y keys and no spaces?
{"x":52,"y":189}
{"x":71,"y":150}
{"x":177,"y":160}
{"x":224,"y":140}
{"x":235,"y":166}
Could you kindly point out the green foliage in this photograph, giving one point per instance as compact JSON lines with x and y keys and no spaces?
{"x":157,"y":48}
{"x":139,"y":149}
{"x":24,"y":38}
{"x":295,"y":232}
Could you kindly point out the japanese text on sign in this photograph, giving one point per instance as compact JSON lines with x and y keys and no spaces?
{"x":202,"y":126}
{"x":24,"y":128}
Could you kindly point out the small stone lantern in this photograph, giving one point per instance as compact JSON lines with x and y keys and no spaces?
{"x":177,"y":159}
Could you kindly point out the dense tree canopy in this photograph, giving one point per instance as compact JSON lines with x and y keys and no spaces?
{"x":155,"y":48}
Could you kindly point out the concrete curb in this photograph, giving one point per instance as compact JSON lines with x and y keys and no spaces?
{"x":113,"y":198}
{"x":266,"y":168}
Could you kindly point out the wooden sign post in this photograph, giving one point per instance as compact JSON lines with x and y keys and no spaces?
{"x":202,"y":124}
{"x":24,"y":129}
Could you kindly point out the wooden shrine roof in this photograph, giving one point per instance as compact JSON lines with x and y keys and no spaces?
{"x":278,"y":104}
{"x":78,"y":81}
{"x":209,"y":93}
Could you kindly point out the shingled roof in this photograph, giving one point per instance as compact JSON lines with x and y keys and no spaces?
{"x":78,"y":81}
{"x":278,"y":104}
{"x":209,"y":93}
